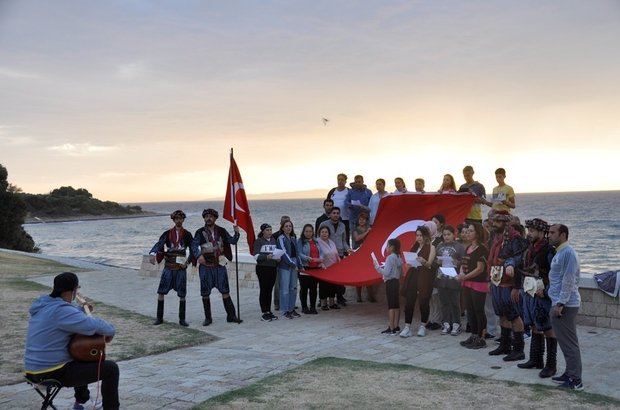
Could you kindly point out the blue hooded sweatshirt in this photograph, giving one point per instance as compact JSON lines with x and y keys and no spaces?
{"x":52,"y":323}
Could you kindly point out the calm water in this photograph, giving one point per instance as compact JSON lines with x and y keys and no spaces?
{"x":593,"y":219}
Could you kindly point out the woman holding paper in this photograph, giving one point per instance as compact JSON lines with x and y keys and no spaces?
{"x":420,"y":280}
{"x":473,"y":278}
{"x":449,"y":254}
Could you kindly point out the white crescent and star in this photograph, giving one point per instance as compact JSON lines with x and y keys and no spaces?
{"x":237,"y":186}
{"x":409,"y":226}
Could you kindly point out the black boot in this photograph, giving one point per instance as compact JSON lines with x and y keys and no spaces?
{"x":537,"y":350}
{"x":504,"y":343}
{"x":231,"y":315}
{"x":552,"y":351}
{"x":160,"y":313}
{"x":206,"y":304}
{"x":517,"y":348}
{"x":182,"y":321}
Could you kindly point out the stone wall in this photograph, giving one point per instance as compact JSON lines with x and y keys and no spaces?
{"x":597,"y":308}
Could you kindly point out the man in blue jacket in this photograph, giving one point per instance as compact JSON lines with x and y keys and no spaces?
{"x":54,"y":319}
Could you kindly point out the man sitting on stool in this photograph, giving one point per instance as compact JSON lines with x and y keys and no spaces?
{"x":53,"y":321}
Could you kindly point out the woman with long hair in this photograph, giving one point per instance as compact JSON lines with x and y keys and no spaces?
{"x":420,"y":281}
{"x":287,"y":270}
{"x":448,"y":185}
{"x":473,"y":278}
{"x":310,"y":258}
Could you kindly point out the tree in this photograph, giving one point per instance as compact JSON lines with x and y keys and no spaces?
{"x":12,"y":214}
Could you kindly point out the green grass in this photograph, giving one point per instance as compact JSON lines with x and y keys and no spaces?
{"x":316,"y":380}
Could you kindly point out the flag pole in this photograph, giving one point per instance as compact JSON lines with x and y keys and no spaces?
{"x":234,"y":212}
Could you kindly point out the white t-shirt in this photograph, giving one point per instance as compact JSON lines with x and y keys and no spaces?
{"x":339,"y":198}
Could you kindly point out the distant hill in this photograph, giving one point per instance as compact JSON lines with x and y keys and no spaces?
{"x":67,"y":203}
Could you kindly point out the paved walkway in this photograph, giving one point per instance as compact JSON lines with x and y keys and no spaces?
{"x":252,"y":350}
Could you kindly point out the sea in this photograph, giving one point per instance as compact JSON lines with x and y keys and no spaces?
{"x":593,"y":219}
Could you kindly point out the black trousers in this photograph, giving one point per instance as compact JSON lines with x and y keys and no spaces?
{"x":307,"y":284}
{"x":266,"y":280}
{"x":79,"y":374}
{"x":474,"y":303}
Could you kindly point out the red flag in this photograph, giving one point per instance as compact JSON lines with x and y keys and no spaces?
{"x":398,"y":217}
{"x":236,"y":207}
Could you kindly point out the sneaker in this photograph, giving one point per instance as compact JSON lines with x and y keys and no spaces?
{"x":397,"y":329}
{"x":288,"y":315}
{"x":422,"y":331}
{"x":478,"y":343}
{"x":295,"y":314}
{"x":456,"y":329}
{"x":560,"y":379}
{"x":445,"y":329}
{"x":313,"y":311}
{"x":324,"y":307}
{"x":90,"y":404}
{"x":406,"y":332}
{"x":467,"y":341}
{"x":334,"y":306}
{"x":273,"y":317}
{"x":489,"y":336}
{"x":387,"y":331}
{"x":266,"y":317}
{"x":305,"y":311}
{"x":571,"y":384}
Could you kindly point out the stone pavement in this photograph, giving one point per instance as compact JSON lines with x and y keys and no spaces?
{"x":250,"y":351}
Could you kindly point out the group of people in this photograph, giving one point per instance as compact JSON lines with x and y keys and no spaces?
{"x":527,"y":274}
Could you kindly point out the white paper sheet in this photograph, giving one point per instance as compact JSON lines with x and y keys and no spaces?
{"x":451,"y":272}
{"x":277,"y":253}
{"x":411,"y":259}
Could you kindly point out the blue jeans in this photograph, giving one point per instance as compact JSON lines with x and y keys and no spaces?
{"x":288,"y":288}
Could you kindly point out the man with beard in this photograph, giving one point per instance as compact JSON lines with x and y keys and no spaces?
{"x":564,"y":293}
{"x":212,"y":243}
{"x":328,"y":204}
{"x":506,"y":249}
{"x":172,"y":247}
{"x":338,"y":235}
{"x":536,"y":307}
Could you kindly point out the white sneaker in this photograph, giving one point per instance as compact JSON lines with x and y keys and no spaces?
{"x":422,"y":331}
{"x":445,"y":329}
{"x":456,"y":329}
{"x":406,"y":332}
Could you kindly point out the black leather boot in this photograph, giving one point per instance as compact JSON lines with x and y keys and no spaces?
{"x":537,"y":350}
{"x":231,"y":315}
{"x":160,"y":313}
{"x":517,"y":348}
{"x":550,"y":368}
{"x":504,"y":343}
{"x":182,"y":321}
{"x":206,"y":304}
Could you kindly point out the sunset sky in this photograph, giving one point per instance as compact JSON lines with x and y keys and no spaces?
{"x":142,"y":100}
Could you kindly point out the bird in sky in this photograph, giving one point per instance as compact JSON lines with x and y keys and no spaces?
{"x":325,"y":121}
